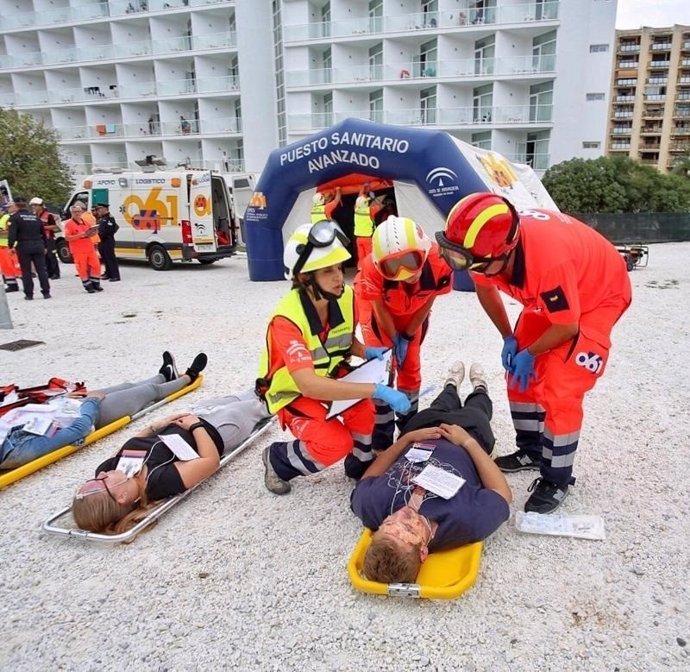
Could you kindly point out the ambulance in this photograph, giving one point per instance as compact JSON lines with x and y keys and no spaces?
{"x":164,"y":216}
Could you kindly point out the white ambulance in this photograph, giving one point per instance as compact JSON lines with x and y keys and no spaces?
{"x":164,"y":215}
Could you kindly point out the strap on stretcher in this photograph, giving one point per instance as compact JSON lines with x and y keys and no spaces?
{"x":52,"y":527}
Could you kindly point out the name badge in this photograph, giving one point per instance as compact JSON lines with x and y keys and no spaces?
{"x":131,"y":462}
{"x":440,"y":482}
{"x":420,"y":452}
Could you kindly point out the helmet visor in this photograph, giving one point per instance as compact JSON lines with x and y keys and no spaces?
{"x":409,"y":260}
{"x":323,"y":233}
{"x":460,"y":258}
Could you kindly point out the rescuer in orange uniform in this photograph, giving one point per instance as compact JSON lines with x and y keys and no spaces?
{"x":309,"y":341}
{"x":399,"y":281}
{"x":78,"y":233}
{"x":574,"y":287}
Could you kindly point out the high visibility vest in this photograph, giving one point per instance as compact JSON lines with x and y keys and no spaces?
{"x":318,"y":213}
{"x":4,"y":226}
{"x":278,"y":388}
{"x":364,"y":226}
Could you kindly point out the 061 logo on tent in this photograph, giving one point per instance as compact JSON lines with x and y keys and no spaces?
{"x":589,"y":360}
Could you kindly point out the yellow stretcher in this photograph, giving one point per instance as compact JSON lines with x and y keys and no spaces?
{"x":443,"y":576}
{"x":66,"y":527}
{"x":9,"y":477}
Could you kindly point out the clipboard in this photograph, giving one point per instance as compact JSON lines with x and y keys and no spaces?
{"x":371,"y":371}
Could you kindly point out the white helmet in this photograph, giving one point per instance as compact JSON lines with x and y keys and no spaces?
{"x":399,"y":248}
{"x":315,"y":246}
{"x":36,"y":201}
{"x":318,"y":199}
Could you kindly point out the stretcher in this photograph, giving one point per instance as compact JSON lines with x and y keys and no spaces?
{"x":443,"y":576}
{"x":13,"y":475}
{"x":61,"y":523}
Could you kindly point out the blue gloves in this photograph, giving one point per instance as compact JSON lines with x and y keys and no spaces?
{"x":374,"y":353}
{"x":522,"y":371}
{"x":396,"y":400}
{"x":510,"y":348}
{"x":400,"y":345}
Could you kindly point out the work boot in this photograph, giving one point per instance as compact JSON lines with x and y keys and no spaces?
{"x":273,"y":482}
{"x":546,"y":496}
{"x":28,"y":298}
{"x":46,"y":295}
{"x":520,"y":460}
{"x":478,"y":377}
{"x":11,"y":288}
{"x":456,"y":374}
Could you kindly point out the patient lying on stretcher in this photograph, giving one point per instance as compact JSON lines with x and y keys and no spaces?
{"x":27,"y":435}
{"x":155,"y":464}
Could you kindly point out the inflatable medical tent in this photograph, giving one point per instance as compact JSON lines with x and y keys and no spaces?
{"x":430,"y":171}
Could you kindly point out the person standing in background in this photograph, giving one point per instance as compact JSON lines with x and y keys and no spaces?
{"x":9,"y":267}
{"x":26,"y":232}
{"x":324,"y":205}
{"x":50,"y":226}
{"x":107,"y":228}
{"x":78,"y":234}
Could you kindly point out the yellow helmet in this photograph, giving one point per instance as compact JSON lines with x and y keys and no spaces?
{"x":315,"y":246}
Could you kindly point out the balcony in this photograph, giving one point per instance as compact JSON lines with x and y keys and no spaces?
{"x":650,"y":148}
{"x":619,"y":146}
{"x":682,"y":113}
{"x":620,"y":130}
{"x":681,"y":130}
{"x":657,"y":97}
{"x":651,"y":130}
{"x":653,"y":113}
{"x":625,"y":99}
{"x":89,"y":12}
{"x":539,"y":161}
{"x":629,"y":65}
{"x":106,"y":52}
{"x":662,"y":46}
{"x":681,"y":147}
{"x":623,"y":115}
{"x":629,"y":48}
{"x":658,"y":64}
{"x":414,"y":23}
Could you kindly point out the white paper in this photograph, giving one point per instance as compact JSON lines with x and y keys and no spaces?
{"x":581,"y":526}
{"x":420,"y":452}
{"x":372,"y":371}
{"x":440,"y":482}
{"x":131,"y":462}
{"x":38,"y":425}
{"x":181,"y":449}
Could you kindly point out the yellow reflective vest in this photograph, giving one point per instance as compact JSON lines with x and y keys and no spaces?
{"x":364,"y":226}
{"x":4,"y":226}
{"x":318,"y":213}
{"x":278,"y":388}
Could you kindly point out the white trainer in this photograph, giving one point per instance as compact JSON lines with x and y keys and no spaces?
{"x":456,"y":374}
{"x":478,"y":377}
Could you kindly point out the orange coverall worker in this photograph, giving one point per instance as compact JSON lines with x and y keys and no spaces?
{"x":9,"y":266}
{"x":564,"y":273}
{"x":402,"y":301}
{"x":319,"y":442}
{"x":83,"y":252}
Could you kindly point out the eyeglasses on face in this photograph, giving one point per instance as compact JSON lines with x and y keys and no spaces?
{"x":100,"y":479}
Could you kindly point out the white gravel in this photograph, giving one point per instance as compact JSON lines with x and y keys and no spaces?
{"x":237,"y":578}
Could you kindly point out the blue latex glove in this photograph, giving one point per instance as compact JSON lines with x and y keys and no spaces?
{"x":510,"y":348}
{"x":400,"y":345}
{"x":396,"y":400}
{"x":522,"y":370}
{"x":375,"y":353}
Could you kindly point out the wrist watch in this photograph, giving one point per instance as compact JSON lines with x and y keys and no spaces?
{"x":196,"y":425}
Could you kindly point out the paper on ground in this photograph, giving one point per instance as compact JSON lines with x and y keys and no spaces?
{"x":581,"y":526}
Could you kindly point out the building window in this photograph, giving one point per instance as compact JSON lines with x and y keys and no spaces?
{"x":598,"y":48}
{"x":591,"y":144}
{"x":596,"y":96}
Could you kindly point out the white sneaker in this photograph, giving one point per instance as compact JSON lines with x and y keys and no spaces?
{"x":456,"y":374}
{"x":478,"y":377}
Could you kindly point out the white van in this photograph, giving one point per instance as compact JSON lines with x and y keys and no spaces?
{"x":164,"y":216}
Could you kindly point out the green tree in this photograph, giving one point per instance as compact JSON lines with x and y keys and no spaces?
{"x":616,"y":184}
{"x":30,"y":159}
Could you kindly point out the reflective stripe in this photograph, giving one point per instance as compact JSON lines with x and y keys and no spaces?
{"x":362,"y":439}
{"x":561,"y":440}
{"x":481,"y":219}
{"x":525,"y":407}
{"x":528,"y":424}
{"x":301,"y":463}
{"x":558,"y":461}
{"x":363,"y":455}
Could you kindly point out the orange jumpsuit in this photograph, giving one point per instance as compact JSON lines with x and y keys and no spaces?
{"x":84,"y":254}
{"x":564,"y":273}
{"x":402,"y":300}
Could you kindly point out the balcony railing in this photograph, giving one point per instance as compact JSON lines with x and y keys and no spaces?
{"x":662,"y":46}
{"x":547,"y":11}
{"x":617,"y":146}
{"x":622,"y":115}
{"x":655,"y":96}
{"x":229,"y":124}
{"x":538,"y":161}
{"x":659,"y":64}
{"x":629,"y":65}
{"x":88,"y":12}
{"x":625,"y":99}
{"x":105,"y":52}
{"x":466,"y":68}
{"x":622,"y":131}
{"x":630,"y":48}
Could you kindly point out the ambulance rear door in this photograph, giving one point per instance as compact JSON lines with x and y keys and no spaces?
{"x":201,"y":213}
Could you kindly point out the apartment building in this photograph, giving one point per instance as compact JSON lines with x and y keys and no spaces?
{"x":649,"y":118}
{"x":219,"y":84}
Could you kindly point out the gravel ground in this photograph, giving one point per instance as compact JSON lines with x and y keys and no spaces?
{"x":237,"y":578}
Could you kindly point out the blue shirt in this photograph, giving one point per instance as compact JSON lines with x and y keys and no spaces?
{"x":20,"y":447}
{"x":472,"y":514}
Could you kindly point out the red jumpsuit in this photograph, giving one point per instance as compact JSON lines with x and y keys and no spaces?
{"x":564,"y":273}
{"x":84,"y":253}
{"x":402,"y":300}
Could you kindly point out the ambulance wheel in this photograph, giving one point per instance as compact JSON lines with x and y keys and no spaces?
{"x":159,"y":258}
{"x":207,"y":262}
{"x":62,"y":249}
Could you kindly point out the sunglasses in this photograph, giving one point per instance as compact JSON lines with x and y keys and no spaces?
{"x":409,"y":260}
{"x":460,"y":258}
{"x":322,"y":234}
{"x":99,"y":479}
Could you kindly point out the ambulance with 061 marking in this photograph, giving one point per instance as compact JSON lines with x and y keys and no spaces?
{"x":164,"y":216}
